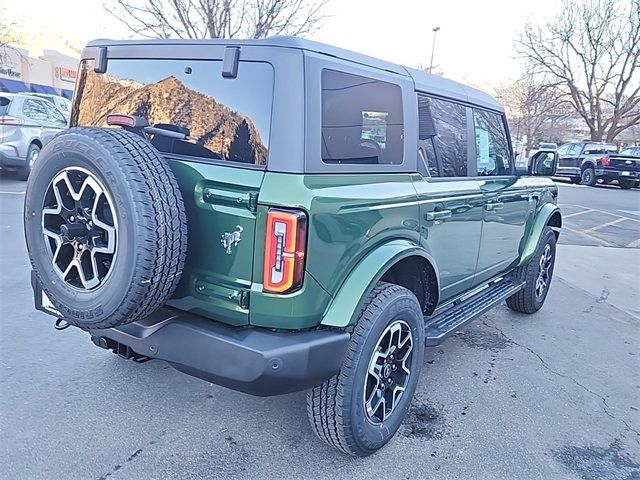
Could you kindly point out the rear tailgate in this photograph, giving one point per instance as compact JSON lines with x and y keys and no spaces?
{"x":219,"y":166}
{"x":624,"y":163}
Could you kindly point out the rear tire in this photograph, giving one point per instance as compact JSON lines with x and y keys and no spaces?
{"x":115,"y":253}
{"x":346,"y":411}
{"x":626,"y":184}
{"x":588,"y":177}
{"x":537,"y":275}
{"x":32,"y":155}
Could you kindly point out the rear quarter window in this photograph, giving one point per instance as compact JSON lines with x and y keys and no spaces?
{"x":227,"y":119}
{"x":361,"y":120}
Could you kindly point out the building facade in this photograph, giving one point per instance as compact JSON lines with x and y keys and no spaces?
{"x":53,"y":72}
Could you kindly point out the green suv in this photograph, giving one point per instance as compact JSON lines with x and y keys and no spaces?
{"x":279,"y":215}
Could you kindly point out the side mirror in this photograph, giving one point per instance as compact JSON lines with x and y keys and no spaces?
{"x":543,"y":163}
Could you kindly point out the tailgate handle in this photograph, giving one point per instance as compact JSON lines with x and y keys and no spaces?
{"x":212,"y":196}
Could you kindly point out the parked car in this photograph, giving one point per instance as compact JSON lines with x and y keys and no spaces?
{"x":623,"y":167}
{"x":632,"y":151}
{"x":61,"y":103}
{"x":27,"y":123}
{"x":583,"y":162}
{"x":296,"y":245}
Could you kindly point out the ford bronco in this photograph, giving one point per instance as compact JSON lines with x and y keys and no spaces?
{"x":280,"y":215}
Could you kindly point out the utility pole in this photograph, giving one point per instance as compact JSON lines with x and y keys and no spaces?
{"x":433,"y":47}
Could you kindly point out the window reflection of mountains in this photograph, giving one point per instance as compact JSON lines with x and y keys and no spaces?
{"x":227,"y":134}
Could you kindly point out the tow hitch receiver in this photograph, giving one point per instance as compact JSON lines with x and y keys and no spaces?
{"x":119,"y":349}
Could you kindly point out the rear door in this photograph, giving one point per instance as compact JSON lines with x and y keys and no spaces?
{"x":569,"y":156}
{"x":506,"y":199}
{"x":450,"y":202}
{"x":219,"y":168}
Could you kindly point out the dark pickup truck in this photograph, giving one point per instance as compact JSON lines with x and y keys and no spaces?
{"x":588,"y":162}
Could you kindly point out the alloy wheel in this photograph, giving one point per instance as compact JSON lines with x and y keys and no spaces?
{"x":33,"y":157}
{"x":389,"y":371}
{"x":79,"y":226}
{"x":544,"y":271}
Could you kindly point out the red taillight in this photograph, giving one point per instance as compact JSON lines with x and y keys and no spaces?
{"x":605,"y":161}
{"x":6,"y":120}
{"x":122,"y":120}
{"x":285,"y":249}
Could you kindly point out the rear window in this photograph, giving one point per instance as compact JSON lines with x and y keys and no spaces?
{"x":594,"y":148}
{"x":226,"y":119}
{"x":361,"y":120}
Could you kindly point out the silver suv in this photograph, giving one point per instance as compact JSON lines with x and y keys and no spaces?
{"x":27,"y":123}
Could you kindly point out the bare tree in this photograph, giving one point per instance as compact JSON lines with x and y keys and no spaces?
{"x":9,"y":37}
{"x":591,"y":52}
{"x":536,"y":111}
{"x":218,"y":18}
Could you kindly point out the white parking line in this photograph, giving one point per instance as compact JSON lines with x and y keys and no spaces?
{"x":578,"y":213}
{"x":634,"y":244}
{"x":13,"y":193}
{"x":631,"y":212}
{"x":596,"y":210}
{"x":617,"y":220}
{"x":591,"y":237}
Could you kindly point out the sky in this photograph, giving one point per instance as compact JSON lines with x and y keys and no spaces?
{"x":475,"y":43}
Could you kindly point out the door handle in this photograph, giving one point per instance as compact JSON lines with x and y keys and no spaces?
{"x":437,"y":215}
{"x":491,"y":206}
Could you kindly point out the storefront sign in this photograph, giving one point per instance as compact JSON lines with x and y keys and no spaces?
{"x":9,"y":72}
{"x":66,"y":74}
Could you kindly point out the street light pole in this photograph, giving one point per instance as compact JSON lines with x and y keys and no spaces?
{"x":433,"y":47}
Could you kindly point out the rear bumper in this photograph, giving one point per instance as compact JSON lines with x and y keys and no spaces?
{"x":8,"y":157}
{"x":252,"y":360}
{"x":616,"y":173}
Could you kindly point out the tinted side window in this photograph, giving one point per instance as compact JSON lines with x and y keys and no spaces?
{"x":575,"y":149}
{"x":492,"y":148}
{"x":361,"y":120}
{"x":450,"y":121}
{"x":225,"y":118}
{"x":35,"y":110}
{"x":564,"y":149}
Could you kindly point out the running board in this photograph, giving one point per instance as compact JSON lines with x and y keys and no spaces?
{"x":443,"y":324}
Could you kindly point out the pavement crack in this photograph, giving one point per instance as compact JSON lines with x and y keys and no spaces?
{"x":546,"y":366}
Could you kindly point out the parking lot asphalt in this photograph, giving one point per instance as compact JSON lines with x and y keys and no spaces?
{"x":553,"y":395}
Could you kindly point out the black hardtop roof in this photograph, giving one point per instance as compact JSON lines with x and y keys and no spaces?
{"x":422,"y":80}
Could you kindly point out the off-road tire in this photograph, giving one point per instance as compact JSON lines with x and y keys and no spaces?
{"x":526,"y":300}
{"x":588,"y":177}
{"x":336,"y":408}
{"x":23,"y":172}
{"x":151,"y":236}
{"x":626,"y":184}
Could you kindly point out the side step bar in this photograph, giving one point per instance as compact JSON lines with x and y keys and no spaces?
{"x":443,"y":324}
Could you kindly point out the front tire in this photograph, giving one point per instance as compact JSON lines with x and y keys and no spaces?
{"x":588,"y":177}
{"x":537,"y":275}
{"x":360,"y":409}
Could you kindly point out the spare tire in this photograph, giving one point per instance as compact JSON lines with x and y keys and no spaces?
{"x":105,"y":227}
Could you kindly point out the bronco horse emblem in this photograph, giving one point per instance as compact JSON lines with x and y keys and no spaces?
{"x":232,"y":239}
